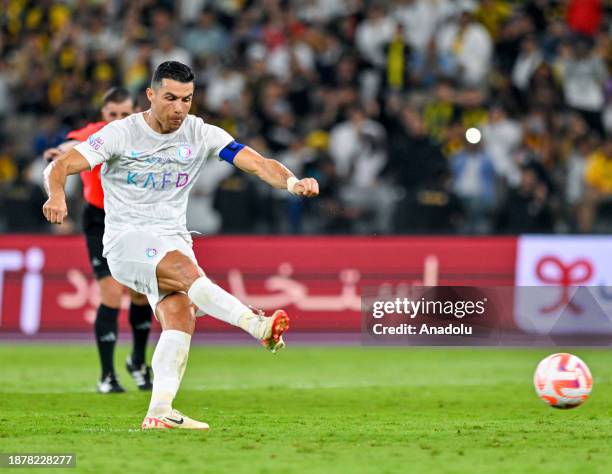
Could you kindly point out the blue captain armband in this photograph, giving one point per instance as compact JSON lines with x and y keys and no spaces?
{"x":230,"y":151}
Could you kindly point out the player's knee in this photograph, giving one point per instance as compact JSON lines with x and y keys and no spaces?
{"x":175,"y":312}
{"x":176,"y":304}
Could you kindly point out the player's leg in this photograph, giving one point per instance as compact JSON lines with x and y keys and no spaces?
{"x":140,"y":319}
{"x":177,"y":272}
{"x":177,"y":318}
{"x":133,"y":261}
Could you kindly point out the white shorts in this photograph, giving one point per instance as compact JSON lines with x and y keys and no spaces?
{"x":134,"y":257}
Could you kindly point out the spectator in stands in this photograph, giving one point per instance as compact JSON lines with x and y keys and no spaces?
{"x":372,"y":34}
{"x":584,"y":16}
{"x":526,"y":64}
{"x":580,"y":148}
{"x":207,"y":37}
{"x":584,"y":76}
{"x":21,"y":201}
{"x":501,"y":139}
{"x":474,"y":182}
{"x":349,"y":140}
{"x":234,"y":200}
{"x":420,"y":19}
{"x":598,"y":193}
{"x":398,"y":62}
{"x":527,"y":208}
{"x":167,"y":50}
{"x":465,"y":47}
{"x":357,"y":147}
{"x":418,"y":168}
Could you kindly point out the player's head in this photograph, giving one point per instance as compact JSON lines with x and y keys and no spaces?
{"x":170,"y":94}
{"x":117,"y":103}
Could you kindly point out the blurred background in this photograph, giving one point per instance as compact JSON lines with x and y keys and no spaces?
{"x":374,"y":99}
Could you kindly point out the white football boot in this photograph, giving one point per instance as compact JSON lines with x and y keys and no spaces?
{"x":174,"y":420}
{"x":268,"y":329}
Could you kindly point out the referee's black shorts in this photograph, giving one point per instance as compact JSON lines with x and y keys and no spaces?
{"x":93,"y":227}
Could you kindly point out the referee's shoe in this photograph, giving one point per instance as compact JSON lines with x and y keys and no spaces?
{"x":141,"y":375}
{"x":110,"y":384}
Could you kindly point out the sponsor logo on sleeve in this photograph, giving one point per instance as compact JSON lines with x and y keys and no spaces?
{"x":95,"y":142}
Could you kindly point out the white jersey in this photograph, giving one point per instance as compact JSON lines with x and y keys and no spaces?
{"x":147,"y":175}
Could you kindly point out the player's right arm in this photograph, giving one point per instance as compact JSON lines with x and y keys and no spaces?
{"x":72,"y":162}
{"x":98,"y":148}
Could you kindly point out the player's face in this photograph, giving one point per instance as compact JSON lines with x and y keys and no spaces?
{"x":117,"y":110}
{"x":170,"y":103}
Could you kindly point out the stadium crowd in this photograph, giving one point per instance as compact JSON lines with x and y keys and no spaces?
{"x":372,"y":98}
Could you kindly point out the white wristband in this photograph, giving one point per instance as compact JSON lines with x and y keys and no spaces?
{"x":291,"y":182}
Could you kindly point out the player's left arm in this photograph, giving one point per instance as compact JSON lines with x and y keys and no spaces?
{"x":274,"y":173}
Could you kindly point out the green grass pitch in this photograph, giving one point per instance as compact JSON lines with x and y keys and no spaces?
{"x":311,"y":409}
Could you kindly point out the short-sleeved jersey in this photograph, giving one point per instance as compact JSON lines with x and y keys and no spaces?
{"x":92,"y":186}
{"x":147,"y":175}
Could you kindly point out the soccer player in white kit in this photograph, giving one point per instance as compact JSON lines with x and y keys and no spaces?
{"x":151,"y":160}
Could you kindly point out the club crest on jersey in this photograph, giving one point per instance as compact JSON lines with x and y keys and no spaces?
{"x":184,"y":151}
{"x":95,"y":142}
{"x":151,"y":252}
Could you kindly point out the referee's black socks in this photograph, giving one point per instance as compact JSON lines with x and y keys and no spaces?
{"x":106,"y":336}
{"x":140,"y":320}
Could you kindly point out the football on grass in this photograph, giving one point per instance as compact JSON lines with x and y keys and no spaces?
{"x":563,"y":381}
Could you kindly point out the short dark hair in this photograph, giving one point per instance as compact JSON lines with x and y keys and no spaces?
{"x":116,"y":95}
{"x":172,"y":70}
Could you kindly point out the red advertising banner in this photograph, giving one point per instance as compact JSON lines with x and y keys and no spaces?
{"x":46,"y":282}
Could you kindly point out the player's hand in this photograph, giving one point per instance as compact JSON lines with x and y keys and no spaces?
{"x":307,"y":187}
{"x":55,"y":210}
{"x":51,"y":154}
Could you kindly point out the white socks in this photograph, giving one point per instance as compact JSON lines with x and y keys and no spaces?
{"x":170,"y":356}
{"x":215,"y":301}
{"x":169,"y":362}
